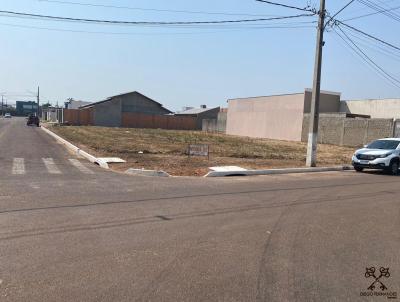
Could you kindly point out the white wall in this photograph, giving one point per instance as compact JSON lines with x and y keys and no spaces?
{"x":276,"y":117}
{"x":387,"y":108}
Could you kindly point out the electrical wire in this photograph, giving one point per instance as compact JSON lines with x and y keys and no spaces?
{"x":374,"y":45}
{"x":368,"y":58}
{"x":337,"y":22}
{"x":354,"y":52}
{"x":120,"y":22}
{"x":305,"y":9}
{"x":154,"y":34}
{"x":339,"y":11}
{"x":154,"y":9}
{"x":372,"y":14}
{"x":185,"y":26}
{"x":380,"y":9}
{"x":394,"y":81}
{"x":363,"y":8}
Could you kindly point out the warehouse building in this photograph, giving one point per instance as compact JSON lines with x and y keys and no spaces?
{"x":110,"y":112}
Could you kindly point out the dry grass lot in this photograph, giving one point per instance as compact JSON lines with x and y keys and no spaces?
{"x":165,"y":149}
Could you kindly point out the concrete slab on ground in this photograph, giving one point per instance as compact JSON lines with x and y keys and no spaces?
{"x":147,"y":172}
{"x":110,"y":160}
{"x":275,"y":171}
{"x":227,"y":169}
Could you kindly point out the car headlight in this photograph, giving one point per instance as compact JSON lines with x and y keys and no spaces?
{"x":385,"y":155}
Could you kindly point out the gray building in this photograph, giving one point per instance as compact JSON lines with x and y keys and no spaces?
{"x":109,"y":112}
{"x":200,"y":114}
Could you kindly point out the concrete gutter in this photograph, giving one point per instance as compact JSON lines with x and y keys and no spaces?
{"x":76,"y":150}
{"x":276,"y":171}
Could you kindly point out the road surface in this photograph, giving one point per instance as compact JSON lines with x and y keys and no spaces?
{"x":71,"y":231}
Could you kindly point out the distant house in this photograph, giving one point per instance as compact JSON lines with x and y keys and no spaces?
{"x":200,"y":113}
{"x":110,"y":112}
{"x":51,"y":114}
{"x":72,"y":104}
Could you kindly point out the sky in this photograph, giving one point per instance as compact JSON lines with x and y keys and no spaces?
{"x":192,"y":65}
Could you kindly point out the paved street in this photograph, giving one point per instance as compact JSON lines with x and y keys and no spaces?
{"x":71,"y":231}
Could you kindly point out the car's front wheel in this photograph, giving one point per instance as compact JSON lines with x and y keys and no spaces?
{"x":394,"y":167}
{"x":359,"y":169}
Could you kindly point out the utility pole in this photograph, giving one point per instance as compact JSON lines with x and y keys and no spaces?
{"x":316,"y":91}
{"x":38,"y":99}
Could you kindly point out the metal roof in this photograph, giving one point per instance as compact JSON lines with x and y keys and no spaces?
{"x":196,"y":110}
{"x":122,"y":94}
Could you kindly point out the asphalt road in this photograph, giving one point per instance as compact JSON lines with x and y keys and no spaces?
{"x":69,"y":233}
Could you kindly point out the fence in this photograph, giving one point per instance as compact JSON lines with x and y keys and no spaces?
{"x":215,"y":125}
{"x":78,"y":117}
{"x":85,"y":117}
{"x":338,"y":129}
{"x":171,"y":122}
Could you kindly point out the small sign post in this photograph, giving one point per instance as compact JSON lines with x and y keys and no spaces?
{"x":199,"y":150}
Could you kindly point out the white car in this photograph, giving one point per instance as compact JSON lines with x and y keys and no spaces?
{"x":383,"y":154}
{"x":7,"y":115}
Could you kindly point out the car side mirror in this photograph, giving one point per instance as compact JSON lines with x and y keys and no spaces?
{"x":365,"y":146}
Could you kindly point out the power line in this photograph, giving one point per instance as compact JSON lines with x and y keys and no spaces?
{"x":191,"y":26}
{"x":154,"y":9}
{"x":366,"y":8}
{"x":368,"y":35}
{"x":374,"y":13}
{"x":373,"y":45}
{"x":154,"y":34}
{"x":305,"y":9}
{"x":339,"y":11}
{"x":120,"y":22}
{"x":380,"y":9}
{"x":369,"y":59}
{"x":352,"y":48}
{"x":366,"y":58}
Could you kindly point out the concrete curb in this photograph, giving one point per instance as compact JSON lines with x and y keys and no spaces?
{"x":277,"y":171}
{"x":147,"y":172}
{"x":76,"y":150}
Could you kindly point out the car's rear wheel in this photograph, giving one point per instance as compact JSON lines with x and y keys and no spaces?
{"x":394,"y":167}
{"x":358,"y":169}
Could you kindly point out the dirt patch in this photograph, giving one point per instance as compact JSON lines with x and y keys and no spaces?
{"x":166,"y":149}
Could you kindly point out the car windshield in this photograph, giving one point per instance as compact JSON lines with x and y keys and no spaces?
{"x":384,"y":144}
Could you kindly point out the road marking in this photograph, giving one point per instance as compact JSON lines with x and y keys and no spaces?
{"x":51,"y":166}
{"x":18,"y":166}
{"x":81,"y":167}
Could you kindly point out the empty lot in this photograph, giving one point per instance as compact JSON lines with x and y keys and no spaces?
{"x":166,"y":149}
